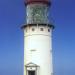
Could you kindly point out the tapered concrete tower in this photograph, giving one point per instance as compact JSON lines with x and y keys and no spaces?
{"x":38,"y":38}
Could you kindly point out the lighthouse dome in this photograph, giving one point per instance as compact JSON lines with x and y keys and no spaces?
{"x":48,"y":2}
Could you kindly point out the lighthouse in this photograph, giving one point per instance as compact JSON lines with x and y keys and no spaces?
{"x":38,"y":38}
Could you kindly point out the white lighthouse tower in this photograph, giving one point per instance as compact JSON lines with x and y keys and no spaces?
{"x":38,"y":38}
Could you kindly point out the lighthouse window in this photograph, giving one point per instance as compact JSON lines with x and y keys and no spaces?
{"x":48,"y":30}
{"x":26,"y":30}
{"x":41,"y":29}
{"x":33,"y":29}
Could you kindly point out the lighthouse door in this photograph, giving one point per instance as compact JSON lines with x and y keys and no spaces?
{"x":31,"y":72}
{"x":31,"y":69}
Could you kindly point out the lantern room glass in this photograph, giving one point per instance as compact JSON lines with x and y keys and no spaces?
{"x":37,"y":14}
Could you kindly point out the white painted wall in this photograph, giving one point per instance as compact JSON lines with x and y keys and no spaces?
{"x":38,"y":48}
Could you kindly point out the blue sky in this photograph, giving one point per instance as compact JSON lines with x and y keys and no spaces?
{"x":12,"y":16}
